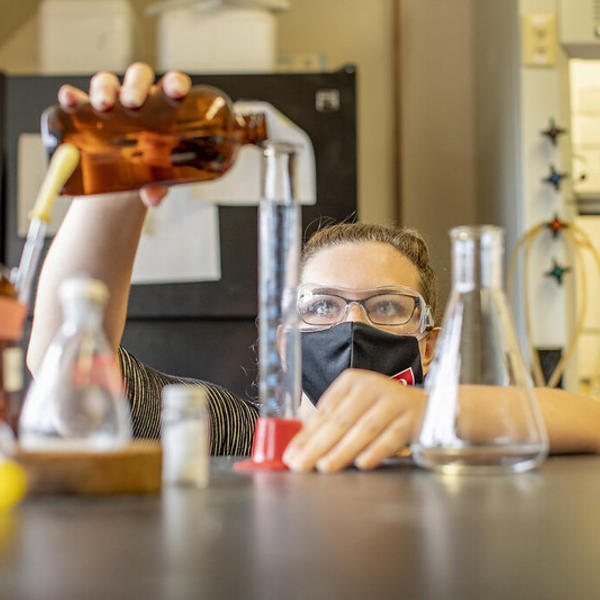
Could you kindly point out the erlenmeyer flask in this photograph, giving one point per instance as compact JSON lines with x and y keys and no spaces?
{"x":77,"y":400}
{"x":481,"y":414}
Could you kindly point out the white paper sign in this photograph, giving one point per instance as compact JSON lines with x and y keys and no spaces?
{"x":180,"y":241}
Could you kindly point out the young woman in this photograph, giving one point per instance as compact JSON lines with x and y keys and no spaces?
{"x":366,"y":283}
{"x":364,"y":417}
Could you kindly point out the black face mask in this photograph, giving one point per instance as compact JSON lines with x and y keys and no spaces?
{"x":328,"y":352}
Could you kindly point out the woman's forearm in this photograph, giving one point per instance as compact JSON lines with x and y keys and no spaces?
{"x":572,"y":421}
{"x":98,"y":237}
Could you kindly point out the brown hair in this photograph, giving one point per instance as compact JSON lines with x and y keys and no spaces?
{"x":408,"y":242}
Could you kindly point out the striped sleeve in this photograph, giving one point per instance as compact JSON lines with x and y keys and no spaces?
{"x":231,"y":418}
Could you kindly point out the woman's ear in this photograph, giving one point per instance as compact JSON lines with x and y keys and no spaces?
{"x":427,"y":347}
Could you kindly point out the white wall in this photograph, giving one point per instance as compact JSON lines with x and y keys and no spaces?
{"x":437,"y":159}
{"x":354,"y":31}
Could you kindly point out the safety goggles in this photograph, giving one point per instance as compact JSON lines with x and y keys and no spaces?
{"x":399,"y":308}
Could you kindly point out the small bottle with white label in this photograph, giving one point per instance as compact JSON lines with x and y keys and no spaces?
{"x":185,"y":437}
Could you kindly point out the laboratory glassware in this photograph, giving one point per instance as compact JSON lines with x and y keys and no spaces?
{"x":77,"y":400}
{"x":166,"y":141}
{"x":481,"y":414}
{"x":279,"y":338}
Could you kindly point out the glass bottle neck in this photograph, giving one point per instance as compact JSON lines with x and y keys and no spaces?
{"x":477,"y":257}
{"x":83,"y":313}
{"x":250,"y":128}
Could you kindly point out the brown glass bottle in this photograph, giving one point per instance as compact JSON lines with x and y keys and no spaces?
{"x":12,"y":318}
{"x":165,"y":141}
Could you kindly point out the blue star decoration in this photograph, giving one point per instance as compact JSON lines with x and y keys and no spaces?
{"x":554,"y":178}
{"x":553,"y":131}
{"x":557,"y":271}
{"x":556,"y":225}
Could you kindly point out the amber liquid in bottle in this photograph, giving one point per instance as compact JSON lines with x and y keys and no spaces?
{"x":11,"y":354}
{"x":165,"y":141}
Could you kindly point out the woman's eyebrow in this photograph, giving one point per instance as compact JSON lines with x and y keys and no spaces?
{"x":325,"y":290}
{"x":362,"y":293}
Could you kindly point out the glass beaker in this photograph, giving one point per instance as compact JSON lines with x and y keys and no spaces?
{"x":279,"y":339}
{"x":481,"y":413}
{"x":77,"y":400}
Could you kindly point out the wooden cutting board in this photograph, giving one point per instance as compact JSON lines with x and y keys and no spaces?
{"x":134,"y":469}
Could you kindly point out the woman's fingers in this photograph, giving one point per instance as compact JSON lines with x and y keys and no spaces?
{"x":137,"y":81}
{"x":350,"y":380}
{"x":296,"y":452}
{"x":175,"y":84}
{"x":340,"y":410}
{"x":153,"y":195}
{"x":70,"y":96}
{"x":104,"y":88}
{"x":364,"y":432}
{"x":368,"y":418}
{"x":395,"y":437}
{"x":137,"y":85}
{"x":329,"y":432}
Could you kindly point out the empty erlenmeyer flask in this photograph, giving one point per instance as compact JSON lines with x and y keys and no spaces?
{"x":77,"y":400}
{"x":481,"y":413}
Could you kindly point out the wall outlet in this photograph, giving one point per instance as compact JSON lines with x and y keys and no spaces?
{"x":539,"y":40}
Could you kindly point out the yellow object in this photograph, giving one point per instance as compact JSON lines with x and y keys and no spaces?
{"x":580,"y":241}
{"x":13,"y":484}
{"x":62,"y":165}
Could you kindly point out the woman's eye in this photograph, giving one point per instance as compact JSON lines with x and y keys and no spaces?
{"x":322,"y":307}
{"x":388,"y":308}
{"x":391,"y":308}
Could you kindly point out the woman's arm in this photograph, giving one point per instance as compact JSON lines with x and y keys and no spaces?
{"x":98,"y":237}
{"x":572,"y":421}
{"x":365,"y":417}
{"x":100,"y":234}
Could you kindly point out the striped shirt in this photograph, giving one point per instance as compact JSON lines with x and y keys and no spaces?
{"x":231,"y":418}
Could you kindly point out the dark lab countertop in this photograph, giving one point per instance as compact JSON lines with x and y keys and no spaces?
{"x":398,"y":532}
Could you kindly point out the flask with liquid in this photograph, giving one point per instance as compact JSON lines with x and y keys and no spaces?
{"x":481,"y":415}
{"x":77,"y":400}
{"x":164,"y":141}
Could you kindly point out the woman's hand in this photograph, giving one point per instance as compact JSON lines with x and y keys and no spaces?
{"x":364,"y":417}
{"x":137,"y":85}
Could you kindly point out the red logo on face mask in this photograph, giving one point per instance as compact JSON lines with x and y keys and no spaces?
{"x":406,"y":377}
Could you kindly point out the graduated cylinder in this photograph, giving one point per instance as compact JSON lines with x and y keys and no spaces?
{"x":279,"y":251}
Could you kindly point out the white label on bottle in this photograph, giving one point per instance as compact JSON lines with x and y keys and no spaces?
{"x":185,"y":452}
{"x":12,"y":368}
